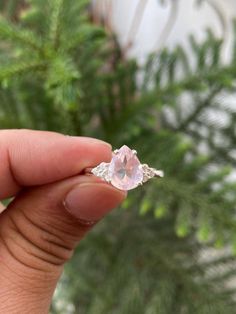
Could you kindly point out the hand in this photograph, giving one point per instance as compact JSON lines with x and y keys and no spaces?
{"x":47,"y":218}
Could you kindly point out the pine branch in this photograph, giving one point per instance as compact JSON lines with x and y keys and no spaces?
{"x":198,"y":200}
{"x":12,"y":33}
{"x":164,"y":95}
{"x":198,"y":109}
{"x":86,"y":32}
{"x":54,"y":33}
{"x":10,"y":71}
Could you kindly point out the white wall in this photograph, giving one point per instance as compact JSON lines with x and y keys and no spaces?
{"x":191,"y":19}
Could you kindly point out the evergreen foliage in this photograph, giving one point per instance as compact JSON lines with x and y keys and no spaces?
{"x":59,"y":71}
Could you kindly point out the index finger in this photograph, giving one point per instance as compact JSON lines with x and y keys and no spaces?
{"x":30,"y":158}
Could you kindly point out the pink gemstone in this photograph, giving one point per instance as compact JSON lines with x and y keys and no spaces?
{"x":124,"y":170}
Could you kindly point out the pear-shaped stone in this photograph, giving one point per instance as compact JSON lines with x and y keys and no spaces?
{"x":125,"y":171}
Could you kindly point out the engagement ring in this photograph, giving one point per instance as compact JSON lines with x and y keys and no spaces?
{"x":125,"y":171}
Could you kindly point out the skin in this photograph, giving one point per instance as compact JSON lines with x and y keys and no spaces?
{"x":52,"y":202}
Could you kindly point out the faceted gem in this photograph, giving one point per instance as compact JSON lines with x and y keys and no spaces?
{"x":125,"y":171}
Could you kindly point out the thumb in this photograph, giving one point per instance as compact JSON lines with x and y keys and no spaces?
{"x":38,"y":233}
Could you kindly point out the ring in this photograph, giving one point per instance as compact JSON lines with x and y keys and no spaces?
{"x":125,"y":171}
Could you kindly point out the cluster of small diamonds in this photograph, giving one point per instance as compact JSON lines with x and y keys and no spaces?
{"x":149,"y":173}
{"x":101,"y":171}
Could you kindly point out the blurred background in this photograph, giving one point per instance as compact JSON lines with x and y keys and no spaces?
{"x":159,"y":76}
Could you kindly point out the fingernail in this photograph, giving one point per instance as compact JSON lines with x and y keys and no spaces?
{"x":92,"y":140}
{"x":91,"y":201}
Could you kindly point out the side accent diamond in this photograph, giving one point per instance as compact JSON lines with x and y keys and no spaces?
{"x":149,"y":173}
{"x":101,"y":171}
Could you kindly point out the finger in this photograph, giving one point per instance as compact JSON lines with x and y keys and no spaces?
{"x":2,"y":207}
{"x":29,"y":158}
{"x":38,"y":233}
